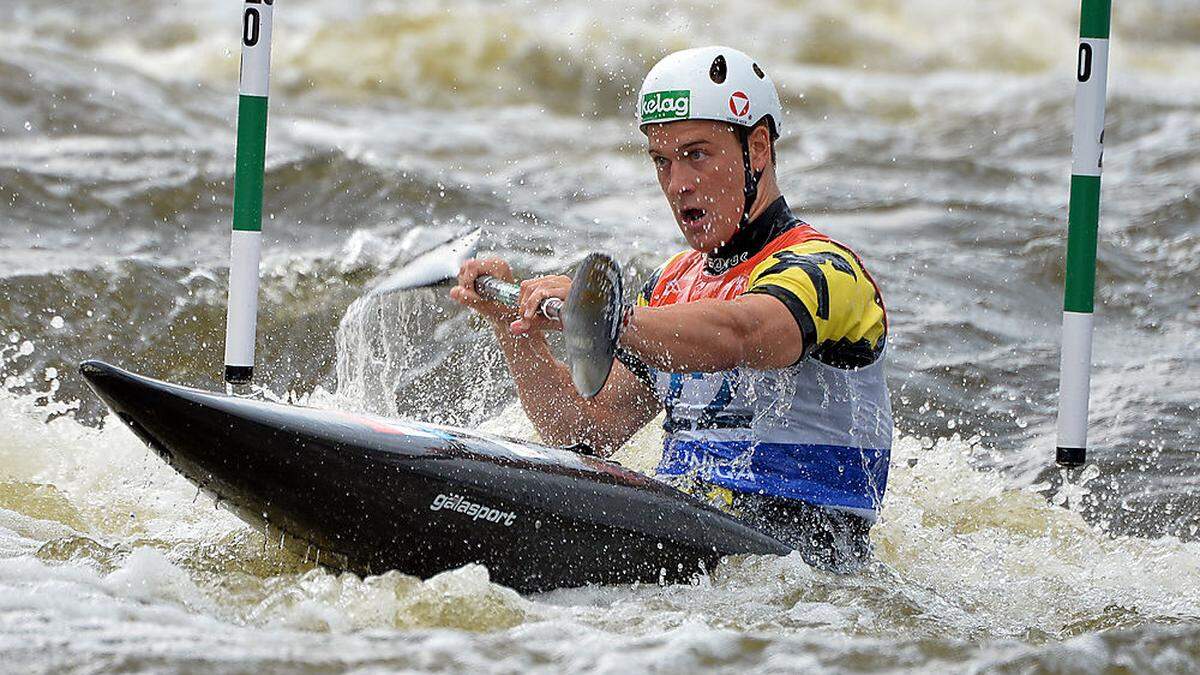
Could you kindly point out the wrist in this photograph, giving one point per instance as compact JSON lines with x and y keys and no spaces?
{"x":626,"y":320}
{"x":627,"y":332}
{"x":506,"y":337}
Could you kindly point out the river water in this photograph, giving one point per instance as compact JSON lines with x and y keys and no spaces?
{"x":933,"y":136}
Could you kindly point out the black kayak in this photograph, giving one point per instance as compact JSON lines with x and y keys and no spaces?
{"x":371,"y":494}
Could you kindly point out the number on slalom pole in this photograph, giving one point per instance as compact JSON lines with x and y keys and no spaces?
{"x":1085,"y":62}
{"x":252,"y":22}
{"x":250,"y":27}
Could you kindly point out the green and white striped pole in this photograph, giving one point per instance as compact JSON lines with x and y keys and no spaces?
{"x":1083,"y":218}
{"x":246,"y":243}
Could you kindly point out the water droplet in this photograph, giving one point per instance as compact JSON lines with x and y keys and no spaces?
{"x":57,"y":322}
{"x":28,"y":125}
{"x":26,"y":348}
{"x":51,"y":374}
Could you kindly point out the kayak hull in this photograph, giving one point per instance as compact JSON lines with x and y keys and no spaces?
{"x":365,"y":494}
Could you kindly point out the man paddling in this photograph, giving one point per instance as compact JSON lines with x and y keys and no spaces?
{"x":764,"y":342}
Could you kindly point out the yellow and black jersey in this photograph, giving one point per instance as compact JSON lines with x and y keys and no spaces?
{"x":831,"y":296}
{"x":824,"y":285}
{"x":819,"y":431}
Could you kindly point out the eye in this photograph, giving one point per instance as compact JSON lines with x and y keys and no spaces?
{"x":659,"y":161}
{"x":695,"y":155}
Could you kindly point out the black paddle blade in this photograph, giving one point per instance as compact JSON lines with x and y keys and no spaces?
{"x":592,"y":322}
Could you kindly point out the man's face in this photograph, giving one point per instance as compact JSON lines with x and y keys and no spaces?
{"x":699,"y":166}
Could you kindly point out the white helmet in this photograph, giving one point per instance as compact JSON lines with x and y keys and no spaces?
{"x":709,"y":83}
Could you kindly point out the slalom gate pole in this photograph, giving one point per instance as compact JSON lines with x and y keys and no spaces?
{"x":1082,"y":225}
{"x":246,"y":243}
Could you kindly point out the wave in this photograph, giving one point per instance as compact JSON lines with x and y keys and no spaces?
{"x":572,"y":58}
{"x":963,"y":554}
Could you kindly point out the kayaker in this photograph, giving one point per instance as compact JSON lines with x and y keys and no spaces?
{"x":764,"y":342}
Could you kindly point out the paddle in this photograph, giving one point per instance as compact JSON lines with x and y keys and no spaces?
{"x":434,"y":266}
{"x":591,"y":316}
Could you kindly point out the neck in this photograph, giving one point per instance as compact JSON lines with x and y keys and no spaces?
{"x":770,"y":219}
{"x":768,"y":192}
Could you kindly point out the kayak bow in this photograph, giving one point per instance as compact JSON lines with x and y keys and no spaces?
{"x":374,"y":495}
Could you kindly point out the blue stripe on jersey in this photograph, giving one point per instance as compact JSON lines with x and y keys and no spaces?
{"x":824,"y":475}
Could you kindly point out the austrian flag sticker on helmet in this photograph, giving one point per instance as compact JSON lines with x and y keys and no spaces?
{"x":739,"y":104}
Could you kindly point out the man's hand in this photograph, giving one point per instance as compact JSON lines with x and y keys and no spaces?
{"x":464,"y":293}
{"x":560,"y":415}
{"x":526,"y":317}
{"x":533,"y":293}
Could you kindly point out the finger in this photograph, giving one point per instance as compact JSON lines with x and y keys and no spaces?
{"x":464,"y":270}
{"x":536,"y":298}
{"x":459,"y":295}
{"x":470,"y":272}
{"x":528,"y":289}
{"x":557,"y":288}
{"x":529,"y":303}
{"x":498,"y":268}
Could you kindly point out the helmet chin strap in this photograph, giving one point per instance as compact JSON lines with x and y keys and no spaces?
{"x":751,"y":176}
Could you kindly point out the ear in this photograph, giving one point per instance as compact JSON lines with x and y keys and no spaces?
{"x":760,"y":147}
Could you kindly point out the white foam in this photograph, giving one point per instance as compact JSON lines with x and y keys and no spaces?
{"x":963,"y":553}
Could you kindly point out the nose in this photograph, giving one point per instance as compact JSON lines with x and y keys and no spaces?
{"x":684,"y":179}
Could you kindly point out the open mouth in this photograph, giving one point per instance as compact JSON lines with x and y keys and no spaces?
{"x":691,"y":216}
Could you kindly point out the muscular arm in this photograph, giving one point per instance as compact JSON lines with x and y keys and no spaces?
{"x":754,"y":330}
{"x":563,"y":417}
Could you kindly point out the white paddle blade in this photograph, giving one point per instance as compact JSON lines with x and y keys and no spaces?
{"x":438,"y":264}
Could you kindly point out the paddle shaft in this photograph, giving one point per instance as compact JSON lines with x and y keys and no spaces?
{"x":509,"y":294}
